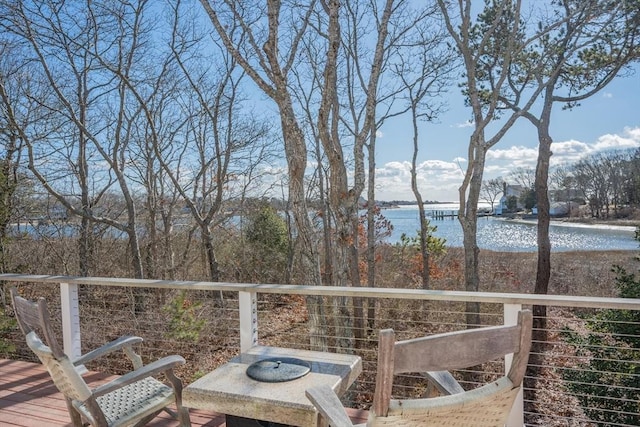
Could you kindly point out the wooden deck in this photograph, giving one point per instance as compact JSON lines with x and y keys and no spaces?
{"x":28,"y":398}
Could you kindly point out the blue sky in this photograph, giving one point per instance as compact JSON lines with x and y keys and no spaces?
{"x":608,"y":120}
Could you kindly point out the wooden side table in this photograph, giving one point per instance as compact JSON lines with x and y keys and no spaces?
{"x":228,"y":390}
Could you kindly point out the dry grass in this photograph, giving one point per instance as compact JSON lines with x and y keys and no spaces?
{"x":586,"y":273}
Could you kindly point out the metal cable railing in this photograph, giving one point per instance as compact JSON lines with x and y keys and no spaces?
{"x":588,"y":368}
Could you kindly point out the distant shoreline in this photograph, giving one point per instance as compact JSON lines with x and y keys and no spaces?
{"x":584,"y":222}
{"x":577,"y":223}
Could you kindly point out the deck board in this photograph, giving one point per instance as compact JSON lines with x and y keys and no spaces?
{"x":28,"y":398}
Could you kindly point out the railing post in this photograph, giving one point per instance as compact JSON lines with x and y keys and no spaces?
{"x":516,"y":417}
{"x":70,"y":313}
{"x":248,"y":307}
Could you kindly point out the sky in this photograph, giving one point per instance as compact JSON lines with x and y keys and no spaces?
{"x":609,"y":120}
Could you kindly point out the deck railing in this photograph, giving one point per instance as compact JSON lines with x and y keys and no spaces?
{"x":589,"y":372}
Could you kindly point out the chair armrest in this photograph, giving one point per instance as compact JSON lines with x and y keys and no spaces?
{"x":115,"y":345}
{"x":328,"y":404}
{"x":444,"y":382}
{"x":159,"y":366}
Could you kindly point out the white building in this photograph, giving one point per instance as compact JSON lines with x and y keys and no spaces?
{"x":509,"y":191}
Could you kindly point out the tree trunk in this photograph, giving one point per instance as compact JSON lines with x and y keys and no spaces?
{"x":85,"y":246}
{"x":168,"y":256}
{"x":468,"y":217}
{"x":326,"y":220}
{"x":8,"y":184}
{"x":151,"y":255}
{"x":371,"y":234}
{"x":211,"y":259}
{"x":343,"y":322}
{"x":341,"y":198}
{"x":424,"y":223}
{"x":542,"y":195}
{"x":296,"y":153}
{"x":358,"y":302}
{"x":539,"y":334}
{"x":138,"y":270}
{"x":86,"y":225}
{"x":210,"y":252}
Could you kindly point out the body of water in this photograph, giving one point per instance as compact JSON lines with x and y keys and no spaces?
{"x":499,"y":234}
{"x":494,"y":233}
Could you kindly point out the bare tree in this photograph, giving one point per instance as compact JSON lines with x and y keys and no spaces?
{"x":424,"y":73}
{"x":65,"y":97}
{"x":604,"y":180}
{"x":562,"y":182}
{"x":11,"y":87}
{"x":399,"y":29}
{"x":344,"y":199}
{"x":271,"y":60}
{"x":523,"y":176}
{"x":305,"y":90}
{"x":633,"y":182}
{"x":617,"y":163}
{"x":101,"y":98}
{"x":222,"y":146}
{"x":254,"y":37}
{"x":491,"y":189}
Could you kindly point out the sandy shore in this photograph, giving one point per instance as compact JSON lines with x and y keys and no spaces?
{"x":621,"y":225}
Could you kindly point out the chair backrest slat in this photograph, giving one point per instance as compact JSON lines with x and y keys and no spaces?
{"x":27,"y":315}
{"x":488,"y":405}
{"x":456,"y":350}
{"x":34,"y":317}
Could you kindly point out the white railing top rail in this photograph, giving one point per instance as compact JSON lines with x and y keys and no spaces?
{"x":365,"y":292}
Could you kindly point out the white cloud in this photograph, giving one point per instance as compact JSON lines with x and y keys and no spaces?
{"x":437,"y":180}
{"x":502,"y":161}
{"x":613,"y":142}
{"x":440,"y":179}
{"x":511,"y":154}
{"x":607,"y":95}
{"x":467,"y":124}
{"x":379,"y":134}
{"x":567,"y":152}
{"x":393,"y":169}
{"x":633,"y":133}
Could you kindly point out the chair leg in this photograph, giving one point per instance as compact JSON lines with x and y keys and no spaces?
{"x":76,"y":418}
{"x":183,"y":413}
{"x":183,"y":417}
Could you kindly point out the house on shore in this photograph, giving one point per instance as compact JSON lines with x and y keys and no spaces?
{"x":509,"y":192}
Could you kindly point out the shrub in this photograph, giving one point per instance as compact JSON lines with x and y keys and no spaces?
{"x":607,"y":385}
{"x":184,"y":324}
{"x":7,"y":325}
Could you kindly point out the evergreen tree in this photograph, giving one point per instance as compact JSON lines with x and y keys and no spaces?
{"x":268,"y":239}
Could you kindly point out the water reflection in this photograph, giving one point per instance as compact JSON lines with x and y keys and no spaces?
{"x":506,"y":235}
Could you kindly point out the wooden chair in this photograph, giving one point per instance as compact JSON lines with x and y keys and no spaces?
{"x":34,"y":316}
{"x":133,"y":399}
{"x":488,"y":405}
